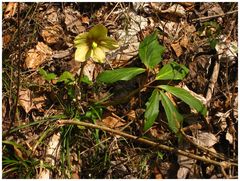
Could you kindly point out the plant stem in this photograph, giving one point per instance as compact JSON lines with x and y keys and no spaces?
{"x":223,"y":164}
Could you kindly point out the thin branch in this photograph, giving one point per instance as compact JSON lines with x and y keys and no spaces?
{"x":214,"y":16}
{"x":223,"y":164}
{"x":18,"y":69}
{"x":216,"y":155}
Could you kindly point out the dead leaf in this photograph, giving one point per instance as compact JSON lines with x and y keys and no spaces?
{"x":226,"y":49}
{"x":52,"y":154}
{"x":18,"y":152}
{"x":159,"y":134}
{"x":6,"y":39}
{"x":85,"y":19}
{"x":131,"y":115}
{"x":205,"y":139}
{"x":186,"y":166}
{"x":222,"y":122}
{"x":52,"y":15}
{"x":172,"y":13}
{"x":229,"y":137}
{"x":175,"y":10}
{"x":25,"y":99}
{"x":39,"y":103}
{"x":35,"y":57}
{"x":112,"y":122}
{"x":215,"y":9}
{"x":157,"y":173}
{"x":177,"y":49}
{"x":184,"y":42}
{"x":10,"y":10}
{"x":88,"y":70}
{"x":52,"y":34}
{"x":128,"y":38}
{"x":73,"y":21}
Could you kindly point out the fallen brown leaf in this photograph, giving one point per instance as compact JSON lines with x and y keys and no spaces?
{"x":25,"y":99}
{"x":85,"y":19}
{"x":177,"y":49}
{"x":10,"y":10}
{"x":35,"y":57}
{"x":184,"y":42}
{"x":52,"y":34}
{"x":112,"y":122}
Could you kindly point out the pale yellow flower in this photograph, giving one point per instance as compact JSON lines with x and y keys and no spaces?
{"x":94,"y":44}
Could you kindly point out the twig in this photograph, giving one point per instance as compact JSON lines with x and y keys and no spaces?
{"x":213,"y":80}
{"x":214,"y":16}
{"x":148,"y":142}
{"x":216,"y":155}
{"x":18,"y":70}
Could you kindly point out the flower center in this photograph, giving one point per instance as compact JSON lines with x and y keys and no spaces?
{"x":94,"y":45}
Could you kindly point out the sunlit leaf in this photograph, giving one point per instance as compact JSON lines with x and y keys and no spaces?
{"x":152,"y":110}
{"x":173,"y":116}
{"x":186,"y":97}
{"x":47,"y":76}
{"x":172,"y":71}
{"x":66,"y":77}
{"x":150,"y":51}
{"x":111,"y":76}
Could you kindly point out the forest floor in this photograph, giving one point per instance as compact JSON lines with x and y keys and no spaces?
{"x":41,"y":135}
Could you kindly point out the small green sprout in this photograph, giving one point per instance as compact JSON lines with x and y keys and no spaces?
{"x":94,"y":44}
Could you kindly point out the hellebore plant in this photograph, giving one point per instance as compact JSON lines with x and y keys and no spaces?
{"x":94,"y":44}
{"x":150,"y":54}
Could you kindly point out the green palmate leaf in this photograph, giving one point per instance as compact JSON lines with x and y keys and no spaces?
{"x":186,"y":97}
{"x":111,"y":76}
{"x":152,"y":110}
{"x":66,"y":77}
{"x":173,"y":116}
{"x":47,"y":76}
{"x":172,"y":71}
{"x":150,"y":51}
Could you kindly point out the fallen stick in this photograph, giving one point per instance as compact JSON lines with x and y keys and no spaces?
{"x":214,"y":16}
{"x":223,"y":164}
{"x":212,"y":82}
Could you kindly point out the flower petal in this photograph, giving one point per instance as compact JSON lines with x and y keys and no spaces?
{"x":82,"y":53}
{"x":108,"y":43}
{"x":98,"y":55}
{"x":97,"y":32}
{"x":81,"y":39}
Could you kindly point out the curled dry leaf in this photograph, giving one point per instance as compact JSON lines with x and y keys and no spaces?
{"x":52,"y":34}
{"x":177,"y":48}
{"x":73,"y":21}
{"x":173,"y":12}
{"x":131,"y":115}
{"x":222,"y":122}
{"x":85,"y":19}
{"x":186,"y":166}
{"x":227,"y":49}
{"x":10,"y":10}
{"x":184,"y":42}
{"x":6,"y":40}
{"x":205,"y":139}
{"x":89,"y":70}
{"x":35,"y":57}
{"x":52,"y":15}
{"x":25,"y":99}
{"x":112,"y":122}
